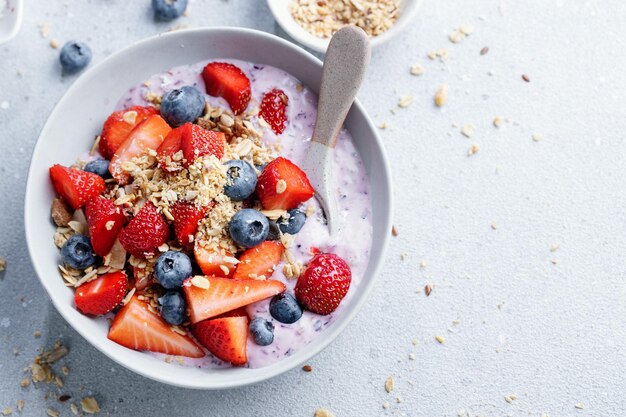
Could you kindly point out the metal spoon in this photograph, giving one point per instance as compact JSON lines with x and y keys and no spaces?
{"x":345,"y":64}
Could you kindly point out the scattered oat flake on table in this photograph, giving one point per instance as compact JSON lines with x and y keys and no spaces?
{"x":440,"y":339}
{"x":422,"y":264}
{"x":537,"y":137}
{"x":554,"y":247}
{"x":389,"y":384}
{"x":494,"y":225}
{"x":411,"y":356}
{"x":3,"y":264}
{"x":579,"y":406}
{"x":52,"y":412}
{"x":497,"y":121}
{"x":468,"y":131}
{"x":428,"y":289}
{"x":405,"y":101}
{"x":37,"y":333}
{"x":54,"y":43}
{"x":383,"y":126}
{"x":7,"y":411}
{"x":474,"y":148}
{"x":417,"y":69}
{"x":441,"y":96}
{"x":322,"y":412}
{"x":394,"y":230}
{"x":90,"y":405}
{"x":386,"y":405}
{"x":20,"y":405}
{"x":484,"y":50}
{"x":510,"y":398}
{"x":44,"y":29}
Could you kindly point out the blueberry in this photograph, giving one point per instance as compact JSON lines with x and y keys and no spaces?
{"x":293,"y":223}
{"x":285,"y":308}
{"x":241,"y":180}
{"x":172,"y":268}
{"x":78,"y":253}
{"x":248,"y":228}
{"x":98,"y":167}
{"x":166,"y":10}
{"x":172,"y":307}
{"x":182,"y":105}
{"x":274,"y":232}
{"x":262,"y":331}
{"x":75,"y":56}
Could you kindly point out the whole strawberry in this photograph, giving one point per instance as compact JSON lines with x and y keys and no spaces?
{"x":324,"y":283}
{"x":145,"y":232}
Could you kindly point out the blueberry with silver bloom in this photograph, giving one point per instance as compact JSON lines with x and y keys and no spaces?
{"x":77,"y":252}
{"x":172,"y":268}
{"x":75,"y":56}
{"x":274,"y":232}
{"x":99,"y":167}
{"x":262,"y":331}
{"x":241,"y":180}
{"x":293,"y":222}
{"x":172,"y":307}
{"x":166,"y":10}
{"x":182,"y":105}
{"x":248,"y":228}
{"x":285,"y":308}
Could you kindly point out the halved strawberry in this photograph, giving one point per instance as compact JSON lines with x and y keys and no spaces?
{"x":260,"y":260}
{"x":225,"y":294}
{"x":145,"y":232}
{"x":324,"y":283}
{"x":226,"y":80}
{"x":101,"y":295}
{"x":224,"y":337}
{"x":148,"y":134}
{"x":197,"y":142}
{"x":136,"y":327}
{"x":274,"y":109}
{"x":186,"y":218}
{"x":118,"y":126}
{"x":214,"y":262}
{"x":295,"y":189}
{"x":171,"y":145}
{"x":105,"y":221}
{"x":76,"y":186}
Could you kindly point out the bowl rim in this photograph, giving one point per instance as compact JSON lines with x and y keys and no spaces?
{"x":301,"y":35}
{"x":272,"y":370}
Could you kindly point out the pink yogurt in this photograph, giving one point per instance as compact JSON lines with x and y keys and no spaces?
{"x":354,"y":239}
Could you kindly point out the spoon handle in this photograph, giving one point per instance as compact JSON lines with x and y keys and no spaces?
{"x":345,"y":64}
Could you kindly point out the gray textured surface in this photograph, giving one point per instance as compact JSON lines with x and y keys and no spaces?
{"x":553,"y":334}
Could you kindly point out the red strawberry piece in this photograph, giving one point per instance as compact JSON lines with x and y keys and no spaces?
{"x":199,"y":142}
{"x":225,"y":337}
{"x":229,"y":82}
{"x":101,"y":295}
{"x":324,"y":283}
{"x":274,"y":109}
{"x":145,"y":232}
{"x":186,"y":218}
{"x":144,"y":277}
{"x":147,"y":135}
{"x":171,"y":145}
{"x":118,"y":126}
{"x":225,"y":294}
{"x":105,"y":221}
{"x":76,"y":186}
{"x":136,"y":327}
{"x":260,"y":260}
{"x":294,"y":189}
{"x":215,"y":261}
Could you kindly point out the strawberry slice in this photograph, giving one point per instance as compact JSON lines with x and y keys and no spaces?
{"x":295,"y":189}
{"x":118,"y":126}
{"x":228,"y":81}
{"x":145,"y":232}
{"x":136,"y":327}
{"x":274,"y":109}
{"x":197,"y":142}
{"x":76,"y":186}
{"x":214,"y":262}
{"x":225,"y":337}
{"x":259,"y":261}
{"x":148,"y":134}
{"x":225,"y":294}
{"x":324,"y":283}
{"x":101,"y":295}
{"x":105,"y":221}
{"x":171,"y":145}
{"x":186,"y":218}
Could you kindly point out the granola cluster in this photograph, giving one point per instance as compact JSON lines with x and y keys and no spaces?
{"x":324,"y":18}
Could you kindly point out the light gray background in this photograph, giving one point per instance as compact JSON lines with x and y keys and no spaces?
{"x":552,"y":334}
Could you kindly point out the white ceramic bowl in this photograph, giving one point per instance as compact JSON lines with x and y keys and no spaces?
{"x":11,"y":19}
{"x":282,"y":14}
{"x":77,"y":119}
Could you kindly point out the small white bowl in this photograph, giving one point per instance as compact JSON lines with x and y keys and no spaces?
{"x":78,"y":118}
{"x":11,"y":19}
{"x":281,"y":11}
